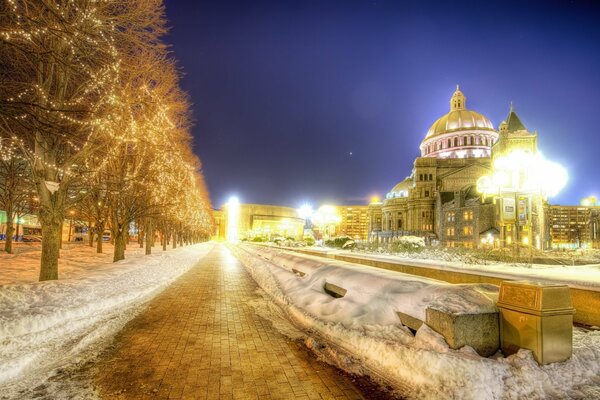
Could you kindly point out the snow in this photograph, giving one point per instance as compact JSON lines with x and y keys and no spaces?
{"x":361,"y":333}
{"x":373,"y":295}
{"x":47,"y":325}
{"x":576,"y":276}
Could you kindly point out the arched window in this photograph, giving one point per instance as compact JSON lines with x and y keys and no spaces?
{"x":455,"y":142}
{"x":449,"y":143}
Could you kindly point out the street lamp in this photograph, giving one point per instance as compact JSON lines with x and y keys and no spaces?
{"x":233,"y":216}
{"x":326,"y":218}
{"x":516,"y":179}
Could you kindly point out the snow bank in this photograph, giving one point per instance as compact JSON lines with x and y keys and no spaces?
{"x":361,"y":329}
{"x":373,"y":296}
{"x":44,"y":325}
{"x":585,"y":277}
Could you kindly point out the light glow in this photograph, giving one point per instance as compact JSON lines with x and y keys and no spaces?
{"x":233,"y":216}
{"x":523,"y":172}
{"x":305,"y":211}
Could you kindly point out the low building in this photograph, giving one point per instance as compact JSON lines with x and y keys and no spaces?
{"x":248,"y":221}
{"x":595,"y":227}
{"x":573,"y":227}
{"x":466,"y":221}
{"x":354,"y":221}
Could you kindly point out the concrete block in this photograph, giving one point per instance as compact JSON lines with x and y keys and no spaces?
{"x":480,"y":331}
{"x":334,"y":290}
{"x":411,"y":322}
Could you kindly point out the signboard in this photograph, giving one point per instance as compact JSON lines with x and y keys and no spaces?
{"x":507,"y":209}
{"x":522,"y":211}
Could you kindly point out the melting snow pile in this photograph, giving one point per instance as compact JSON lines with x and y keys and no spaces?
{"x":363,"y":327}
{"x":46,"y":325}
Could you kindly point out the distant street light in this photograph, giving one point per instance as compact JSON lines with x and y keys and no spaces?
{"x":233,"y":216}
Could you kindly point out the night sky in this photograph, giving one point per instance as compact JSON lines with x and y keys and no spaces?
{"x":328,"y":101}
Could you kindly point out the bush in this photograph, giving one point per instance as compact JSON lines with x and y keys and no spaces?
{"x":410,"y":244}
{"x":259,"y":239}
{"x":278,"y":240}
{"x":341,"y":242}
{"x":309,"y":240}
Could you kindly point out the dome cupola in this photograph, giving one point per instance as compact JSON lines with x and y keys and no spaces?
{"x":461,"y":133}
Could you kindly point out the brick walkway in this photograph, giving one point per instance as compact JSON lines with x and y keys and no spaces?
{"x":199,"y":339}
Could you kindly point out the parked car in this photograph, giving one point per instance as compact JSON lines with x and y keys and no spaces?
{"x":31,"y":239}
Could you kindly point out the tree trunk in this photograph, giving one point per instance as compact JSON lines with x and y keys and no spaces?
{"x":51,"y":238}
{"x":90,"y":234}
{"x":60,"y":243}
{"x":120,"y":239}
{"x":164,"y":241}
{"x":9,"y":229}
{"x":149,"y":237}
{"x":16,"y":228}
{"x":100,"y":238}
{"x":141,"y":232}
{"x":174,"y":239}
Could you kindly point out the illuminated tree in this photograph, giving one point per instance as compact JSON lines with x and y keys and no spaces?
{"x":88,"y":94}
{"x":15,"y":193}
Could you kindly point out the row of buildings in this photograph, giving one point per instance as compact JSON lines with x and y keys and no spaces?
{"x":446,"y":198}
{"x":441,"y":200}
{"x":248,"y":221}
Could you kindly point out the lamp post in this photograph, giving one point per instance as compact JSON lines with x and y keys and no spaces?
{"x":518,"y":178}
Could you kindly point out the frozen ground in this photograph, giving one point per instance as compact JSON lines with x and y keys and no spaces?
{"x":47,"y":327}
{"x":361,"y":333}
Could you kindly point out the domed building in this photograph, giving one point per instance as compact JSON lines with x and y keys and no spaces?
{"x":455,"y":153}
{"x":461,"y":133}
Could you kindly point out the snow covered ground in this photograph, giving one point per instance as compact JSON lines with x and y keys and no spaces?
{"x":361,"y":332}
{"x":76,"y":260}
{"x":47,"y":326}
{"x":576,"y":276}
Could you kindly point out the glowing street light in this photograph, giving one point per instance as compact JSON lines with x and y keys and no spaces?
{"x":305,"y":211}
{"x":233,"y":216}
{"x":516,"y":179}
{"x":326,"y":218}
{"x":524,"y":172}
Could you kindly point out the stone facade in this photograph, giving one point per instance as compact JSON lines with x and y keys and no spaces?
{"x":438,"y":200}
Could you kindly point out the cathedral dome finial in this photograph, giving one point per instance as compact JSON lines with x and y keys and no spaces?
{"x":458,"y":100}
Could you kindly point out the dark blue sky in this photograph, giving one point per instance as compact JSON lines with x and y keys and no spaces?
{"x":284,"y":91}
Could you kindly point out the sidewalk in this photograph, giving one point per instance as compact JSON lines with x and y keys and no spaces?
{"x":200,"y":339}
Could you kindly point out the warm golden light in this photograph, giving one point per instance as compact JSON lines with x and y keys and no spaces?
{"x":375,"y":199}
{"x":523,"y":172}
{"x":233,"y":216}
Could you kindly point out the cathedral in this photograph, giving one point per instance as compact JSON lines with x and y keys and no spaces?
{"x":439,"y":201}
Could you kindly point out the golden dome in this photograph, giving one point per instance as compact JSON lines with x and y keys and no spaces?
{"x":461,"y":133}
{"x":459,"y":118}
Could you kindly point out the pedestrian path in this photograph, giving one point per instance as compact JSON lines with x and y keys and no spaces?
{"x":199,"y":339}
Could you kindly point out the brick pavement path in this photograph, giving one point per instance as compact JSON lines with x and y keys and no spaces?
{"x":200,"y":339}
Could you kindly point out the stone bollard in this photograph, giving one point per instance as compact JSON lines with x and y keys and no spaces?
{"x":480,"y":331}
{"x":536,"y":316}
